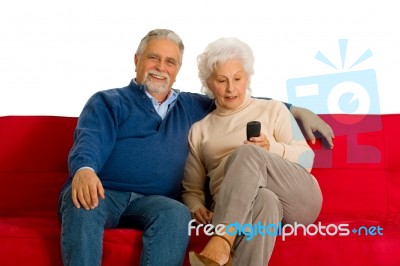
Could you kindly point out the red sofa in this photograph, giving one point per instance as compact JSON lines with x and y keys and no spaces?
{"x":359,"y":178}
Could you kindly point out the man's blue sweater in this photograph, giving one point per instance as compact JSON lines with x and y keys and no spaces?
{"x":120,"y":135}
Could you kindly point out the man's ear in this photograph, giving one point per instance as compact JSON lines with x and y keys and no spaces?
{"x":136,"y":59}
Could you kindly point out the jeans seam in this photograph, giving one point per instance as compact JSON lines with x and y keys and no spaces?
{"x":148,"y":250}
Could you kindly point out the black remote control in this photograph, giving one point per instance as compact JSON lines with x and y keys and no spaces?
{"x":253,"y":129}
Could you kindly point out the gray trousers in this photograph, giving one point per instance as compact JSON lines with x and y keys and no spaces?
{"x":260,"y":186}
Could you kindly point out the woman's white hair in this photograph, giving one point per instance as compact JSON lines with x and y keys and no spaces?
{"x":220,"y":51}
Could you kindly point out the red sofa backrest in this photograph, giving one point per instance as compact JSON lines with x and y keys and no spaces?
{"x":361,"y":174}
{"x":355,"y":179}
{"x":33,"y":162}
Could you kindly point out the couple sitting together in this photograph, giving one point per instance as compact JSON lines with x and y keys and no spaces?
{"x":142,"y":150}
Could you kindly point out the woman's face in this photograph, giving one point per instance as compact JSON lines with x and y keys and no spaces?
{"x":228,"y":82}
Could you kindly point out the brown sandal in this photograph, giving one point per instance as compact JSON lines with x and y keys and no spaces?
{"x":201,"y":260}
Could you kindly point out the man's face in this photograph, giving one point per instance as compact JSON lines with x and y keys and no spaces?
{"x":158,"y":65}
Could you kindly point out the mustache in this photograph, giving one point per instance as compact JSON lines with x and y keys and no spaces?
{"x":156,"y":73}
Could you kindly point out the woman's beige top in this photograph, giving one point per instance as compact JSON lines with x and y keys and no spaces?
{"x":213,"y":138}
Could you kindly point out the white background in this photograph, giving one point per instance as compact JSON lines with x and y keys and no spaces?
{"x":56,"y":54}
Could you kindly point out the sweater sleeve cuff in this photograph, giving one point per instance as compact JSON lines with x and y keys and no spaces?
{"x":85,"y":167}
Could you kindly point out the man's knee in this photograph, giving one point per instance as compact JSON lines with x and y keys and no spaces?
{"x":177,"y":211}
{"x":70,"y":214}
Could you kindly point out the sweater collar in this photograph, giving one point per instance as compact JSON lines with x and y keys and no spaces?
{"x":223,"y":111}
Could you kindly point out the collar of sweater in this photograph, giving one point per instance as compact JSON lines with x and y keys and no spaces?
{"x":224,"y":111}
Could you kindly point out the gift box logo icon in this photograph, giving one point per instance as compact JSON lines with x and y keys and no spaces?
{"x":345,"y":92}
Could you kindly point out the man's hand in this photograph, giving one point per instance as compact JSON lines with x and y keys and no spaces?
{"x":86,"y":189}
{"x":312,"y":123}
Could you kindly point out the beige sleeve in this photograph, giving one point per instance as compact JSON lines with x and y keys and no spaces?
{"x":195,"y":176}
{"x":289,"y":141}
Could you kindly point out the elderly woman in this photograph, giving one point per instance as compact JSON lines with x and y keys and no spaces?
{"x":262,"y":181}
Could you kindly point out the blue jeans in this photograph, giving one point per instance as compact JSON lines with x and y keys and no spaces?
{"x":163,"y":221}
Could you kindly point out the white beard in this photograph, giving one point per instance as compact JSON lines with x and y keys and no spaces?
{"x":156,"y":87}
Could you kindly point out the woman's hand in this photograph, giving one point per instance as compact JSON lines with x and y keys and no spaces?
{"x":261,"y":141}
{"x":203,"y":216}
